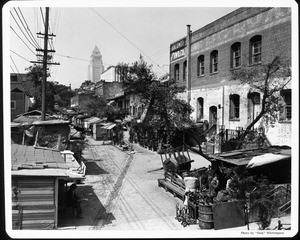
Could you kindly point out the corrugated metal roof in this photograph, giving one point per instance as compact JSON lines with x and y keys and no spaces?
{"x":33,"y":122}
{"x":243,"y":157}
{"x":36,"y":161}
{"x":92,"y":120}
{"x":108,"y":125}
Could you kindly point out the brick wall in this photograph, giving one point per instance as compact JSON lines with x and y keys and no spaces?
{"x":273,"y":25}
{"x":275,"y":28}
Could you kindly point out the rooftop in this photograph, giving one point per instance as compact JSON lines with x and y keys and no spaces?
{"x":38,"y":161}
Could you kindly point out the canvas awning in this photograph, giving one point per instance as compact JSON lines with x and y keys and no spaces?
{"x":109,"y":126}
{"x":267,"y":158}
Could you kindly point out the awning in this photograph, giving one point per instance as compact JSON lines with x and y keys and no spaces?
{"x":267,"y":159}
{"x":108,"y":127}
{"x":111,"y":102}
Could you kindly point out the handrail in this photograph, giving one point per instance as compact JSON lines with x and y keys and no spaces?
{"x":272,"y":192}
{"x":280,"y":209}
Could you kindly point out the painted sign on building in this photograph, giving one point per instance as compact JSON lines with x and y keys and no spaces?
{"x":177,"y":54}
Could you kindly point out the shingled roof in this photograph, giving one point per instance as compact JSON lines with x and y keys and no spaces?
{"x":37,"y":161}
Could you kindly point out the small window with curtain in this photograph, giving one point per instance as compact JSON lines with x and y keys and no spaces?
{"x":286,"y":110}
{"x":255,"y":49}
{"x":184,"y":70}
{"x":200,"y":66}
{"x":200,"y":109}
{"x":12,"y":104}
{"x":176,"y":72}
{"x":234,"y":107}
{"x":236,"y":55}
{"x":214,"y":61}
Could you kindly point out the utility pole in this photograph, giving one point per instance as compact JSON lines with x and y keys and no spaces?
{"x":45,"y":65}
{"x":45,"y":62}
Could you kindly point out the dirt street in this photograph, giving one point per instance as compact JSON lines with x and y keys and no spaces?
{"x":121,"y":193}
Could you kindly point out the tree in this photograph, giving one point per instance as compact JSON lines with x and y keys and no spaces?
{"x":269,"y":79}
{"x":63,"y":93}
{"x":86,"y":87}
{"x":167,"y":112}
{"x":54,"y":90}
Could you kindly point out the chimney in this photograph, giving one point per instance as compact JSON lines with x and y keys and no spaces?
{"x":188,"y":60}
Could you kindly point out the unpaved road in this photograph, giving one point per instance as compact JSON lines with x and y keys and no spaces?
{"x":122,"y":194}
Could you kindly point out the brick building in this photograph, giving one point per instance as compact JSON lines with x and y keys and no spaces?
{"x":203,"y":61}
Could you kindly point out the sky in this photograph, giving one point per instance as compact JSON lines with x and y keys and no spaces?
{"x":122,"y":30}
{"x":121,"y":34}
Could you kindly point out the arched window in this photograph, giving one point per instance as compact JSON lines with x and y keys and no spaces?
{"x":200,"y":66}
{"x":214,"y":61}
{"x":255,"y":49}
{"x":234,"y":107}
{"x":184,"y":70}
{"x":176,"y":72}
{"x":199,"y":109}
{"x":235,"y":60}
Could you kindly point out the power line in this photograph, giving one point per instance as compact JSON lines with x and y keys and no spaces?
{"x":73,"y":57}
{"x":42,"y":15}
{"x":160,"y":52}
{"x":21,"y":80}
{"x":20,"y":56}
{"x":22,"y":40}
{"x":80,"y":59}
{"x":32,"y":44}
{"x":127,"y":39}
{"x":31,"y":35}
{"x":37,"y":26}
{"x":56,"y":20}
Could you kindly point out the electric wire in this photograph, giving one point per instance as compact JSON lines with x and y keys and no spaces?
{"x":32,"y":37}
{"x":22,"y":41}
{"x":109,"y":64}
{"x":42,"y":16}
{"x":127,"y":39}
{"x":18,"y":76}
{"x":37,"y":24}
{"x":160,"y":52}
{"x":19,"y":55}
{"x":32,"y":44}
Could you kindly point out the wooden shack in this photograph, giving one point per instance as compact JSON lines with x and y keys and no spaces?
{"x":37,"y":176}
{"x":103,"y":130}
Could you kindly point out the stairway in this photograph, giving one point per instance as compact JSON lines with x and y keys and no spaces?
{"x":285,"y":209}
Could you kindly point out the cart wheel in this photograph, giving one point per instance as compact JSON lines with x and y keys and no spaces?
{"x":184,"y":224}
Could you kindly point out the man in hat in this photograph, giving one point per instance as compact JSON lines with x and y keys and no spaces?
{"x":73,"y":200}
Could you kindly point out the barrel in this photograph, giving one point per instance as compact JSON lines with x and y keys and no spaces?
{"x":205,"y":216}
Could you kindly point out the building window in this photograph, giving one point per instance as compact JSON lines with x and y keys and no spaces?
{"x":286,"y":111}
{"x":12,"y":104}
{"x":255,"y":49}
{"x":184,"y":70}
{"x":200,"y":66}
{"x":236,"y":55}
{"x":200,"y":109}
{"x":214,"y":61}
{"x":14,"y":78}
{"x":234,"y":107}
{"x":176,"y":72}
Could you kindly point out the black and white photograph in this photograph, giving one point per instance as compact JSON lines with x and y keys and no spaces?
{"x":150,"y":119}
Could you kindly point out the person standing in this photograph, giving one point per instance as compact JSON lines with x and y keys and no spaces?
{"x":73,"y":200}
